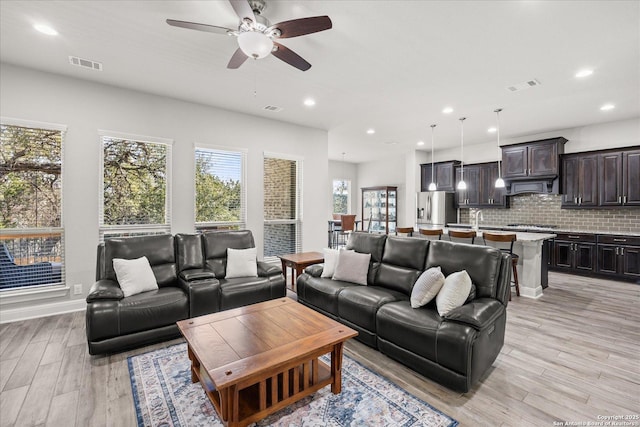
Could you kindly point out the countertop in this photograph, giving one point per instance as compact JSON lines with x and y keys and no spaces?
{"x":545,"y":230}
{"x":521,"y":236}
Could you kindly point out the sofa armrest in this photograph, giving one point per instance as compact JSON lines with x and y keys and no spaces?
{"x":314,"y":270}
{"x":204,"y":295}
{"x":479,"y":313}
{"x":266,"y":270}
{"x":193,"y":274}
{"x":104,"y":290}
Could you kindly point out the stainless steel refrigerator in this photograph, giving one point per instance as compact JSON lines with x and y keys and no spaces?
{"x":435,"y":209}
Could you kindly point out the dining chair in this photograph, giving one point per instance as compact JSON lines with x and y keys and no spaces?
{"x":462,"y":236}
{"x":347,"y":226}
{"x":404,"y":231}
{"x":431,"y":234}
{"x":504,"y":242}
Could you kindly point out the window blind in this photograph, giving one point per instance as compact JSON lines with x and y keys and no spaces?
{"x":31,"y":221}
{"x":220,"y":187}
{"x":135,"y":185}
{"x":282,"y":205}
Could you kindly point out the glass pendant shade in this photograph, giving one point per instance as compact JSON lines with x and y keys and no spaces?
{"x":462,"y":185}
{"x":432,"y":186}
{"x":254,"y":44}
{"x":499,"y":181}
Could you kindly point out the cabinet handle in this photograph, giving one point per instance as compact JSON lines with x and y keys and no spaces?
{"x":580,"y":199}
{"x":617,"y":251}
{"x":573,"y":237}
{"x":619,"y":240}
{"x":620,"y":199}
{"x":624,"y":200}
{"x":622,"y":251}
{"x":575,"y":200}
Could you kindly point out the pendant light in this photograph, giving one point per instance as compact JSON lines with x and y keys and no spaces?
{"x":462,"y":185}
{"x":432,"y":186}
{"x":499,"y":181}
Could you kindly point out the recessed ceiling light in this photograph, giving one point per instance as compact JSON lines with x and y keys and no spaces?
{"x":371,"y":131}
{"x":607,"y":107}
{"x":45,"y":29}
{"x":492,"y":130}
{"x":309,"y":102}
{"x":420,"y":142}
{"x":584,"y":73}
{"x":447,"y":110}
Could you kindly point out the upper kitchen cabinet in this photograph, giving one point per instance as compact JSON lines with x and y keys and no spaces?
{"x":536,"y":159}
{"x":620,"y":175}
{"x":444,"y":175}
{"x":481,"y":190}
{"x":580,"y":180}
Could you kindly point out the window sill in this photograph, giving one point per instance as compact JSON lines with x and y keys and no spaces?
{"x":34,"y":294}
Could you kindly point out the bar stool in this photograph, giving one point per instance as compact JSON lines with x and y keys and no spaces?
{"x":347,"y":226}
{"x":462,"y":236}
{"x":499,"y":240}
{"x":404,"y":231}
{"x":431,"y":233}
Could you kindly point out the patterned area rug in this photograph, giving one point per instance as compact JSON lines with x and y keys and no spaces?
{"x":164,"y":396}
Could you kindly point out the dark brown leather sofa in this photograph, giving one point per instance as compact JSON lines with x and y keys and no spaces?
{"x":455,"y":350}
{"x":190,"y":271}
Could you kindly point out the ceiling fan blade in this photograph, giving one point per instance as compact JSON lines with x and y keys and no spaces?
{"x":199,"y":27}
{"x":242,"y":9}
{"x":237,"y":59}
{"x":302,"y":26}
{"x":290,"y":57}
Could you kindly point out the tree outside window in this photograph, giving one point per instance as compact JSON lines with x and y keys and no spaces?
{"x":341,"y":196}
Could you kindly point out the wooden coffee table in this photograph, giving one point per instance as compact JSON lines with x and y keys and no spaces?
{"x":255,"y":360}
{"x":298,"y":262}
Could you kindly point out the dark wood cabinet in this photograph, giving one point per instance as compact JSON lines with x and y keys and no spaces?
{"x":580,"y":180}
{"x":481,"y":191}
{"x":619,"y":256}
{"x":444,"y":175}
{"x":619,"y":178}
{"x":574,"y":252}
{"x":536,"y":159}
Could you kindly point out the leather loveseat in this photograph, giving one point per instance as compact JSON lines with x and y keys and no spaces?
{"x":190,"y":272}
{"x":455,"y":350}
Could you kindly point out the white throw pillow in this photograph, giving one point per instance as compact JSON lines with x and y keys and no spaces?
{"x":454,"y":292}
{"x":330,"y":261}
{"x":427,"y":287}
{"x":242,"y":263}
{"x":352,"y":267}
{"x":134,"y":275}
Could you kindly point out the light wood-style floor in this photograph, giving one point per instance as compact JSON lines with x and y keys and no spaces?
{"x":572,"y":355}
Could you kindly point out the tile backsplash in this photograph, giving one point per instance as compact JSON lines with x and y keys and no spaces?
{"x":545,"y":209}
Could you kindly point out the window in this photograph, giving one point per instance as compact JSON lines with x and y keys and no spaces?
{"x":135,"y":185}
{"x":282,"y":206}
{"x":341,"y":196}
{"x":31,"y":227}
{"x":220,"y":188}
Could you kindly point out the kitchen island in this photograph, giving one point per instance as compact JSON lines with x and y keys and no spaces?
{"x":532,"y":265}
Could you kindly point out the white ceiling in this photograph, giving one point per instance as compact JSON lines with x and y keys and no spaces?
{"x":388,"y":65}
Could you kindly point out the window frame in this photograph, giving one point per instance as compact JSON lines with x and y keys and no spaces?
{"x":60,"y":230}
{"x":298,"y":220}
{"x":212,"y":225}
{"x":134,"y":229}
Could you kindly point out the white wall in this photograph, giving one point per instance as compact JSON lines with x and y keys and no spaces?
{"x":623,"y":133}
{"x":348,"y":171}
{"x":84,"y":107}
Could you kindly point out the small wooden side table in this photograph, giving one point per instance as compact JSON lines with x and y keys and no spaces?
{"x":298,"y":262}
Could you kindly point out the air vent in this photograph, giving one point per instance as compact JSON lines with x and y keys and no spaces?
{"x":273,"y":108}
{"x":524,"y":85}
{"x":85,"y":63}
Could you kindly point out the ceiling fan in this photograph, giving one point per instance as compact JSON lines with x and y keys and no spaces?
{"x":257,"y":37}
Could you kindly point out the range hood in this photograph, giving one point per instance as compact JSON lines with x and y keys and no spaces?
{"x":533,"y":167}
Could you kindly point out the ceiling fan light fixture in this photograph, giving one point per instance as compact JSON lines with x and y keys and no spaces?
{"x":254,"y":44}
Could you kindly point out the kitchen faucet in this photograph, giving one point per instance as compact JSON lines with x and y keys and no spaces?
{"x":478,"y":214}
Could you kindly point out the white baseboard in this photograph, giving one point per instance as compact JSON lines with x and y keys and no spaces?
{"x":41,"y":310}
